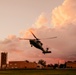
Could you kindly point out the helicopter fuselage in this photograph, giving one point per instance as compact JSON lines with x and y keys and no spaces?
{"x":36,"y":43}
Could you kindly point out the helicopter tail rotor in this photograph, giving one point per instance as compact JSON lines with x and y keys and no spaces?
{"x":46,"y":51}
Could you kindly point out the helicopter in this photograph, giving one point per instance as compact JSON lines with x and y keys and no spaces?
{"x":37,"y":43}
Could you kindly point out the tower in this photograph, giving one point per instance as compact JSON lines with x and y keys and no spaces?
{"x":3,"y":60}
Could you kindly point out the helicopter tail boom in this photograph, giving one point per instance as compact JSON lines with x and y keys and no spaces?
{"x":47,"y":51}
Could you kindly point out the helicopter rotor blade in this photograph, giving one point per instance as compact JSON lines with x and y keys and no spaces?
{"x":36,"y":38}
{"x":24,"y":39}
{"x":49,"y":38}
{"x":52,"y":37}
{"x":34,"y":35}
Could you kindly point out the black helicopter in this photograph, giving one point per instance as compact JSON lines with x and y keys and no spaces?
{"x":37,"y":43}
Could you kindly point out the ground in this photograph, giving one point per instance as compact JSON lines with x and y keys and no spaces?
{"x":39,"y":72}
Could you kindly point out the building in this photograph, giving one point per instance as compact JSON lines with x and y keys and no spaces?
{"x":70,"y":64}
{"x":3,"y":60}
{"x":22,"y":65}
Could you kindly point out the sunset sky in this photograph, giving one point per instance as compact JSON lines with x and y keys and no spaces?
{"x":18,"y":15}
{"x":45,"y":18}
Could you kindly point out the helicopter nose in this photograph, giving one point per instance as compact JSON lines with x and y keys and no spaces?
{"x":31,"y":41}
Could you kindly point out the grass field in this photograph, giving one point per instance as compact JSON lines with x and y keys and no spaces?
{"x":39,"y":72}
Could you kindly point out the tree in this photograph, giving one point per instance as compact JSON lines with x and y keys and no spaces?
{"x":61,"y":66}
{"x":27,"y":61}
{"x":55,"y":66}
{"x":42,"y":62}
{"x":50,"y":66}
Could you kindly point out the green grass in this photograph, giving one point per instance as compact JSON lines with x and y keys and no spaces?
{"x":39,"y":72}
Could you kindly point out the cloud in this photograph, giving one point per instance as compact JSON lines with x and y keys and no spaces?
{"x":64,"y":20}
{"x":64,"y":13}
{"x":41,"y":21}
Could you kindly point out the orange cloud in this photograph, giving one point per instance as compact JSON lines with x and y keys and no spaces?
{"x":41,"y":21}
{"x":64,"y":13}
